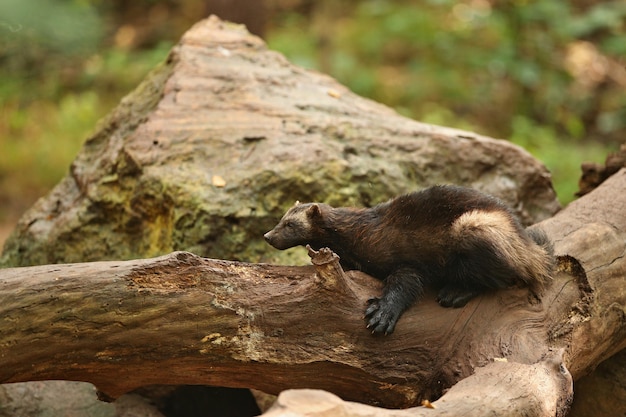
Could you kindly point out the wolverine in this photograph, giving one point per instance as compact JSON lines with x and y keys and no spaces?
{"x":457,"y":239}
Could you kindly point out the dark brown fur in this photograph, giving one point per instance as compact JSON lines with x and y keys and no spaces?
{"x":457,"y":238}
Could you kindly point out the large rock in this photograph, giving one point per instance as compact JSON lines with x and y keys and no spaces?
{"x":217,"y":142}
{"x":53,"y":399}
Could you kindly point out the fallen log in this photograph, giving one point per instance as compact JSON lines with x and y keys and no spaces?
{"x":182,"y":319}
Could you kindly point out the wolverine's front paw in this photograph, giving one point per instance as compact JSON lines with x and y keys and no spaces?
{"x":381,"y":316}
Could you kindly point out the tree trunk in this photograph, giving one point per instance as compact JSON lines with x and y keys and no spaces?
{"x":182,"y":319}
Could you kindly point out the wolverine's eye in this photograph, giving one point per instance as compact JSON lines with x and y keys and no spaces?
{"x":288,"y":224}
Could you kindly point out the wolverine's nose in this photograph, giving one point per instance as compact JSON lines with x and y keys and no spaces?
{"x":267,"y":237}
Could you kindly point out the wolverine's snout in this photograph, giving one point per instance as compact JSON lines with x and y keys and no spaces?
{"x":276,"y":240}
{"x":270,"y":237}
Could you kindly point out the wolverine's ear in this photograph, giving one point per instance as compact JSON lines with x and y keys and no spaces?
{"x":313,"y":211}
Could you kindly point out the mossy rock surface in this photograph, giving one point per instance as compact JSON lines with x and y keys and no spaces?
{"x":219,"y":140}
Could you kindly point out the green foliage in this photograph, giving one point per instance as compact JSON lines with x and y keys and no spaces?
{"x":52,"y":25}
{"x":42,"y":129}
{"x":561,"y":156}
{"x":41,"y":39}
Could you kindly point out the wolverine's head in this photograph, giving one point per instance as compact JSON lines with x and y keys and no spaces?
{"x":297,"y":227}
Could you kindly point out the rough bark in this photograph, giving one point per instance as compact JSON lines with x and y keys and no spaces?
{"x":182,"y":319}
{"x":593,"y":174}
{"x":500,"y":388}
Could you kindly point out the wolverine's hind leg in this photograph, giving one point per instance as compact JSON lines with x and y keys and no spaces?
{"x":485,"y":253}
{"x":470,"y":272}
{"x":402,"y":288}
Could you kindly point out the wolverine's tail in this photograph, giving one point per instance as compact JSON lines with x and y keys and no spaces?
{"x":538,"y":235}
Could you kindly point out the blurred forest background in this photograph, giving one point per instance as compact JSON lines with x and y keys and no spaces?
{"x":549,"y":75}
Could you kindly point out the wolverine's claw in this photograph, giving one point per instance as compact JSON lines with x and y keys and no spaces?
{"x":381,"y":316}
